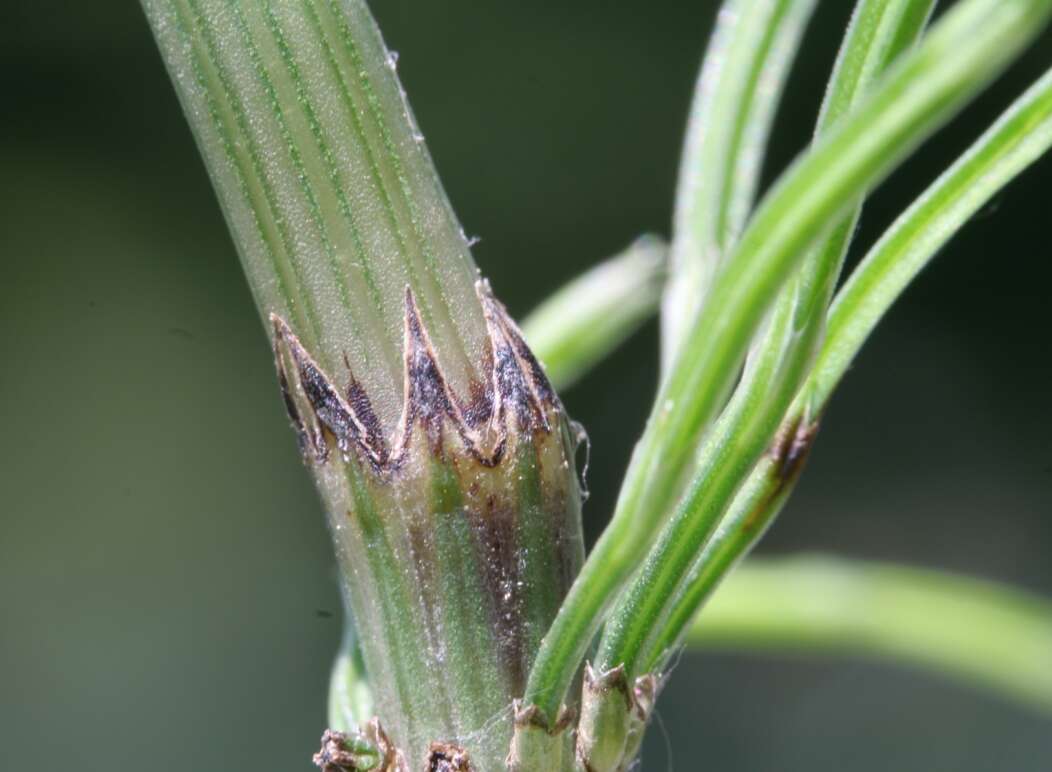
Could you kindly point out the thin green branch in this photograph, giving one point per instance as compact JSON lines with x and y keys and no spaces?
{"x":878,"y":32}
{"x":737,"y":93}
{"x":725,"y":459}
{"x":789,"y":339}
{"x":351,"y":701}
{"x":1018,"y":138}
{"x":582,"y":322}
{"x":979,"y":632}
{"x":968,"y":46}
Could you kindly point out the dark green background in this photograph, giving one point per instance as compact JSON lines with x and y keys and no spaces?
{"x":167,"y":598}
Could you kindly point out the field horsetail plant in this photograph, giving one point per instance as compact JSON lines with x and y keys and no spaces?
{"x":478,"y":635}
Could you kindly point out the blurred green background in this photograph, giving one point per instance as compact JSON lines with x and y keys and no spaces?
{"x":167,"y":596}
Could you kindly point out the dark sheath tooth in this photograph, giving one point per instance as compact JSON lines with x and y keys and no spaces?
{"x":517,"y":390}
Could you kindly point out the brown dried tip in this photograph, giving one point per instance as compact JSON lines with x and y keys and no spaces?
{"x":516,"y":389}
{"x":791,"y":447}
{"x":446,"y":757}
{"x":536,"y":737}
{"x":613,"y":680}
{"x":644,"y":695}
{"x":337,"y":754}
{"x":531,"y":717}
{"x":342,"y":752}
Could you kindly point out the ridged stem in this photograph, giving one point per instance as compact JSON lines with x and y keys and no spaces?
{"x":443,"y":457}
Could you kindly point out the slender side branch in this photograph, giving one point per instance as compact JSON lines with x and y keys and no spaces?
{"x":741,"y":81}
{"x":789,"y":341}
{"x":351,"y":700}
{"x":968,"y":46}
{"x":582,"y":322}
{"x":1018,"y":138}
{"x":976,"y":631}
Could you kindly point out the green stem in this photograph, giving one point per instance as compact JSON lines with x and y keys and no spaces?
{"x":737,"y":440}
{"x":738,"y":90}
{"x":585,"y":320}
{"x":1020,"y":136}
{"x":414,"y":406}
{"x":979,"y":632}
{"x":350,"y":696}
{"x":968,"y":46}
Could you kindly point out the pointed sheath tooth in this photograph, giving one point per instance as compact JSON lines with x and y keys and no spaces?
{"x":362,"y":408}
{"x":519,"y":379}
{"x":306,"y":441}
{"x":537,"y":745}
{"x":343,"y":752}
{"x":308,"y":430}
{"x":510,"y":384}
{"x":428,"y":400}
{"x":606,"y":707}
{"x":426,"y":390}
{"x":327,"y":404}
{"x":644,"y":695}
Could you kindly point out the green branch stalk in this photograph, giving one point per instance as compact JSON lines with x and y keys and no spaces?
{"x":1017,"y":139}
{"x":979,"y":632}
{"x":747,"y":62}
{"x":971,"y":44}
{"x":777,"y":365}
{"x":880,"y":30}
